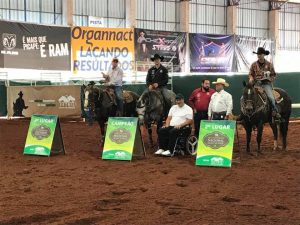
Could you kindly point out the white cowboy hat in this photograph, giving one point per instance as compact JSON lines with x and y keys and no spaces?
{"x":221,"y":81}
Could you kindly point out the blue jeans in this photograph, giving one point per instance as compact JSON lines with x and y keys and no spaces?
{"x":268,"y":89}
{"x":119,"y":95}
{"x":89,"y":115}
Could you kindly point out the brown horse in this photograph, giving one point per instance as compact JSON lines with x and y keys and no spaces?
{"x":100,"y":104}
{"x":256,"y":111}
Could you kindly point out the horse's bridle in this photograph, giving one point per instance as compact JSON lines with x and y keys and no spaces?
{"x":243,"y":105}
{"x":146,"y":106}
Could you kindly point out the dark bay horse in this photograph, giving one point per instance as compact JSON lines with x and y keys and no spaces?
{"x":101,"y":104}
{"x":152,"y":109}
{"x":256,"y":111}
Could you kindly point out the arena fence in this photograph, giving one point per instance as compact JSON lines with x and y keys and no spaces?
{"x":185,"y":85}
{"x":287,"y":81}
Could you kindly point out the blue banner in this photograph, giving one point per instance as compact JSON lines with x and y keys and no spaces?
{"x":211,"y":53}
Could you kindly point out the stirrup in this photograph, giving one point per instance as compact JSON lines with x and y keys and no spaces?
{"x":276,"y":115}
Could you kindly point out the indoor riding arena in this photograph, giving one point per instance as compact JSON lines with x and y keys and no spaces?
{"x":146,"y":112}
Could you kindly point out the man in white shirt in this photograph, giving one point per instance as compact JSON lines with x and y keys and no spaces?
{"x":180,"y":115}
{"x":114,"y":78}
{"x":220,"y":106}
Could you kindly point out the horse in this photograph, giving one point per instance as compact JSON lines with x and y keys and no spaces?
{"x":256,"y":111}
{"x":101,"y":104}
{"x":151,"y":108}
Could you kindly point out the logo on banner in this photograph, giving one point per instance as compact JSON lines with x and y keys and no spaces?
{"x":9,"y":41}
{"x":67,"y":102}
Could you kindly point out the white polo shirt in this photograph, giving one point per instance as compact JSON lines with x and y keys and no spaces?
{"x":180,"y":114}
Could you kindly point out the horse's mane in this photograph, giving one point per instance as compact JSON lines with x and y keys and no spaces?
{"x":151,"y":94}
{"x":90,"y":88}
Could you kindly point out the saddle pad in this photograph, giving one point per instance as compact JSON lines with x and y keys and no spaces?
{"x":276,"y":94}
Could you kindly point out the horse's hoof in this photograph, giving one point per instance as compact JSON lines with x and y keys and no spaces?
{"x":250,"y":153}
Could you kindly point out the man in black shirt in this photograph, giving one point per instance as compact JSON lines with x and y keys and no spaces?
{"x":157,"y":78}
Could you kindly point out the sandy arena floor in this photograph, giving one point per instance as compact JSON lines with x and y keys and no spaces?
{"x":79,"y":188}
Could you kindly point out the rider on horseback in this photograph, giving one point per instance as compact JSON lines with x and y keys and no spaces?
{"x":262,"y":74}
{"x":157,"y":79}
{"x":114,"y":79}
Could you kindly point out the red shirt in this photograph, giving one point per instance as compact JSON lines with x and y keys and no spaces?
{"x":200,"y":99}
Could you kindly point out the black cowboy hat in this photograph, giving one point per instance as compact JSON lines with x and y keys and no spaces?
{"x":115,"y":60}
{"x":179,"y":96}
{"x":157,"y":56}
{"x":20,"y":93}
{"x":261,"y":50}
{"x":142,"y":31}
{"x":92,"y":83}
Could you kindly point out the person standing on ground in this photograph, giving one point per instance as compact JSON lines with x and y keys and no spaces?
{"x":199,"y":101}
{"x":220,"y":106}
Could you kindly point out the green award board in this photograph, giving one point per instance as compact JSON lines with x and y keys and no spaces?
{"x":44,"y":136}
{"x":123,"y":139}
{"x":215,"y":143}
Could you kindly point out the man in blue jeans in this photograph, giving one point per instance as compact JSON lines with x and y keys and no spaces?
{"x":262,"y":73}
{"x":114,"y":78}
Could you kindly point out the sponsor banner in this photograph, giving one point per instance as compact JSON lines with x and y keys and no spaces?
{"x":215,"y":143}
{"x":211,"y":53}
{"x":245,"y":46}
{"x":63,"y":101}
{"x":122,"y":139}
{"x":31,"y":46}
{"x":94,"y":48}
{"x":96,"y":21}
{"x":44,"y":135}
{"x":170,"y":45}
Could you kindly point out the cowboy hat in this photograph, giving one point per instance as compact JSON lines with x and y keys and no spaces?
{"x":20,"y":93}
{"x":261,"y":50}
{"x":92,"y":83}
{"x":115,"y":60}
{"x":179,"y":96}
{"x":157,"y":56}
{"x":221,"y":81}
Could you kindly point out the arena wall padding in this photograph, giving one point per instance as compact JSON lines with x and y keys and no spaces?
{"x":3,"y":99}
{"x":287,"y":81}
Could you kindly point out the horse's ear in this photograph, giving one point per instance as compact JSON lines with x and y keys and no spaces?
{"x":244,"y":83}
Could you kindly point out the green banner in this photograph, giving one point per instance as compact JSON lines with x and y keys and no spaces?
{"x":215,"y":143}
{"x":120,"y":138}
{"x":40,"y":135}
